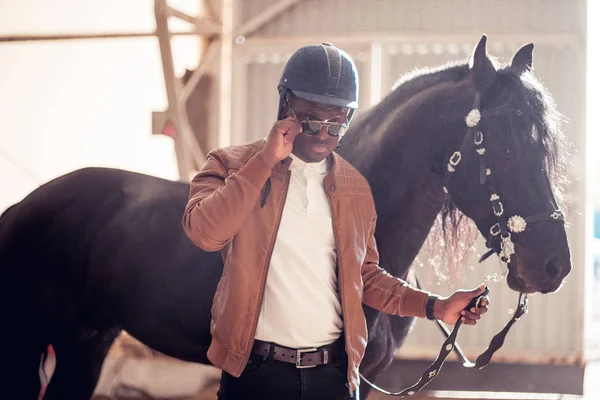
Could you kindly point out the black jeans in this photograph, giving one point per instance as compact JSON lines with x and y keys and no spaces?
{"x":265,"y":379}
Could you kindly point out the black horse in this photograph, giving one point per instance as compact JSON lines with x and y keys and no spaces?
{"x":100,"y":250}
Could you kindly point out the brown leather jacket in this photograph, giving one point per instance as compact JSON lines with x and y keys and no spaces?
{"x":235,"y":206}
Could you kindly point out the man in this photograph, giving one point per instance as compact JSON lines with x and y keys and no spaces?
{"x":295,"y":224}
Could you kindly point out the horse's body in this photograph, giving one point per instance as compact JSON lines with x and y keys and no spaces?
{"x":100,"y":250}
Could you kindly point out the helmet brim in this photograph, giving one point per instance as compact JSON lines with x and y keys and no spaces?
{"x":317,"y":98}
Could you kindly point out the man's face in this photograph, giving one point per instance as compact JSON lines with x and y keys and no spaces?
{"x":317,"y":147}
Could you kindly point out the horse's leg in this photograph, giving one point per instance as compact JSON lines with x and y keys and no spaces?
{"x":377,"y":358}
{"x":20,"y":353}
{"x":80,"y":354}
{"x":386,"y":336}
{"x":22,"y":336}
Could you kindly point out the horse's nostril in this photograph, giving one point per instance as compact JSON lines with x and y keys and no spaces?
{"x":552,"y":270}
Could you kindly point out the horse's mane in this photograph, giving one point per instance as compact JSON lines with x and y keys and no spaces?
{"x":451,"y":231}
{"x":406,"y":87}
{"x":547,"y":134}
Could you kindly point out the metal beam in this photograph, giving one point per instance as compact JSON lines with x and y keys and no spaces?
{"x":87,"y":36}
{"x":366,"y":38}
{"x":203,"y":26}
{"x":212,"y":11}
{"x":208,"y":57}
{"x":264,"y":17}
{"x":177,"y":113}
{"x":173,"y":12}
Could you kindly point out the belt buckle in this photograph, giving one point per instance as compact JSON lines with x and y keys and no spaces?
{"x":299,"y":353}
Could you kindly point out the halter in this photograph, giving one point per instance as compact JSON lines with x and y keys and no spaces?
{"x":501,"y":231}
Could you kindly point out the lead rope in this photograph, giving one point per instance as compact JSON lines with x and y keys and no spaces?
{"x":450,"y":344}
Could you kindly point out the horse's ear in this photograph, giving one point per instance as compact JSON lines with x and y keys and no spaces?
{"x":523,"y":59}
{"x":482,"y":70}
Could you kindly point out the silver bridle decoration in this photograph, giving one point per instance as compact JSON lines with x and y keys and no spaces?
{"x":507,"y":249}
{"x":454,"y":161}
{"x":478,"y":138}
{"x":517,"y":224}
{"x":473,"y":118}
{"x":500,"y":210}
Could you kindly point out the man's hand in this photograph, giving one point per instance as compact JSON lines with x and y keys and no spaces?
{"x":450,"y":309}
{"x":280,"y":141}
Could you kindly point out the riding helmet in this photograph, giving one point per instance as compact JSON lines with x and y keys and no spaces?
{"x":320,"y":73}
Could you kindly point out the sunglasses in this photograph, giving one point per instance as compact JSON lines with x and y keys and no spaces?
{"x":312,"y":127}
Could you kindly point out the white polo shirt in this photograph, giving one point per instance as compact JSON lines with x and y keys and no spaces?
{"x":301,"y":305}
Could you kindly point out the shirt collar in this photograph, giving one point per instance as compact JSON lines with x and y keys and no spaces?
{"x":299,"y":165}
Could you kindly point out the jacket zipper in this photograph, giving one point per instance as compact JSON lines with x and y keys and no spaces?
{"x":341,"y":282}
{"x":270,"y":253}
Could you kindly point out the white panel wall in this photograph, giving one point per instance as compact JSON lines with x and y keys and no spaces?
{"x":421,"y":16}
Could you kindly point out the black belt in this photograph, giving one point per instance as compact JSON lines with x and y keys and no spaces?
{"x":302,"y":358}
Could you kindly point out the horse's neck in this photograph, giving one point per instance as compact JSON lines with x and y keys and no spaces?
{"x":405,"y":216}
{"x":401,"y":232}
{"x":402,"y":158}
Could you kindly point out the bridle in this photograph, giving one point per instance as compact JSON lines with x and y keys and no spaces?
{"x":500,"y":236}
{"x":503,"y":228}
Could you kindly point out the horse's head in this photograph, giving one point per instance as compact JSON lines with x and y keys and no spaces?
{"x":504,"y":171}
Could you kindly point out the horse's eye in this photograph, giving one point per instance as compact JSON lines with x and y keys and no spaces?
{"x":508,"y":151}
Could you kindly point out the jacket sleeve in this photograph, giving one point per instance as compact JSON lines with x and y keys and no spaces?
{"x":385,"y":292}
{"x":219,"y":203}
